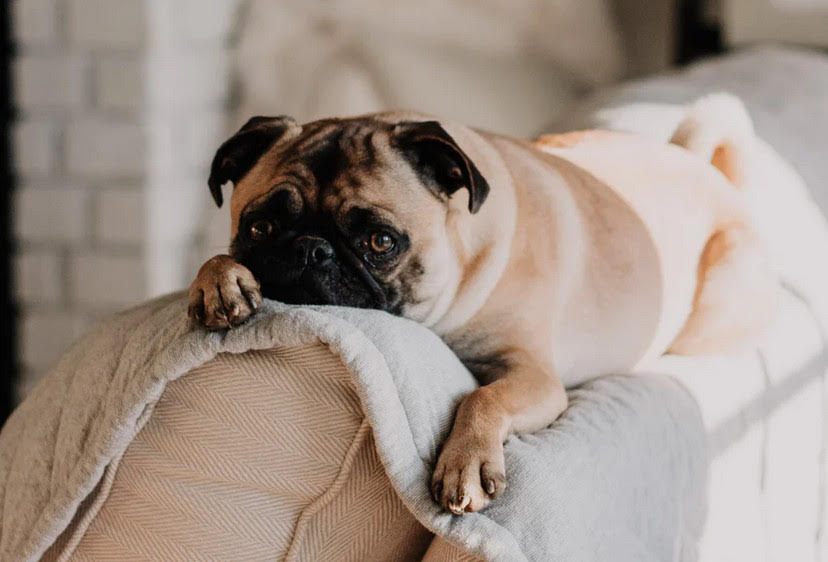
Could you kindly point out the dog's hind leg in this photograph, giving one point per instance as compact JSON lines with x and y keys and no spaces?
{"x":735,"y":296}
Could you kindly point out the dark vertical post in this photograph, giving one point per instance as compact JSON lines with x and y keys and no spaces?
{"x":696,"y":36}
{"x":8,"y":312}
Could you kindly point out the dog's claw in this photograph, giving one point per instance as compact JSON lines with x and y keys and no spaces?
{"x":460,"y":505}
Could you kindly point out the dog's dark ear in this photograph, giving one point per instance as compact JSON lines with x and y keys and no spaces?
{"x":238,"y":154}
{"x":436,"y":156}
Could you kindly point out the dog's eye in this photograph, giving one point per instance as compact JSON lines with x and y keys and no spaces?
{"x":260,"y":230}
{"x":381,"y":242}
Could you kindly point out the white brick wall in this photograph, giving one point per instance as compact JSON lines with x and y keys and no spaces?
{"x":120,"y":217}
{"x":106,"y":280}
{"x":51,"y":215}
{"x":191,"y":79}
{"x":105,"y":148}
{"x":50,"y":81}
{"x":119,"y":82}
{"x":206,"y":21}
{"x":92,"y":80}
{"x":35,"y":22}
{"x":35,"y":144}
{"x":114,"y":24}
{"x":188,"y":94}
{"x":79,"y":152}
{"x":39,"y":277}
{"x":46,"y":334}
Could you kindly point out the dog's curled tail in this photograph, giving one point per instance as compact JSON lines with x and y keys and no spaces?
{"x":718,"y":129}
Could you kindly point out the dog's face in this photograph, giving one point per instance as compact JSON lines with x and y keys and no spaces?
{"x":351,"y":212}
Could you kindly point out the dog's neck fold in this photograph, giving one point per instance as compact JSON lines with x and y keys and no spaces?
{"x":481,"y":241}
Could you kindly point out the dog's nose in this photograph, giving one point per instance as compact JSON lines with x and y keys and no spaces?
{"x":312,"y":250}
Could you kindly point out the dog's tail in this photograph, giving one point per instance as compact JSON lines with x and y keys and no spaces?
{"x":718,"y":129}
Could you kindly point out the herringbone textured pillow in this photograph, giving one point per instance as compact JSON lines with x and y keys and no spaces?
{"x":259,"y":456}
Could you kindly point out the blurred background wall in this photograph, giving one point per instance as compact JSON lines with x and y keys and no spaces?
{"x":120,"y":105}
{"x":80,"y":160}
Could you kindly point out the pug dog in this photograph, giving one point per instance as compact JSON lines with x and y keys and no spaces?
{"x":540,"y":264}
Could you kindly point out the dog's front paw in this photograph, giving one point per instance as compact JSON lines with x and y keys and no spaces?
{"x":224,"y":294}
{"x":470,"y":473}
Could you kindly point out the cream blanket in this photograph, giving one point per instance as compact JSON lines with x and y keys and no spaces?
{"x":619,"y":477}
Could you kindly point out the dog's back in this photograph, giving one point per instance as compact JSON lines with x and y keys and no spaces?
{"x":683,"y":199}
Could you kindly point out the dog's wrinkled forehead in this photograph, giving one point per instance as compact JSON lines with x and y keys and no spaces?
{"x":325,"y":161}
{"x":327,"y":148}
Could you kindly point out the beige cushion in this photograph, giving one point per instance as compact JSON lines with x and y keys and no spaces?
{"x":264,"y":455}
